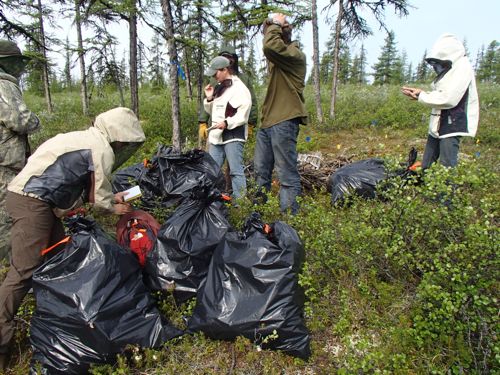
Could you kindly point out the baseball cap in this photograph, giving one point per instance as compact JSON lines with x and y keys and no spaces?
{"x":219,"y":62}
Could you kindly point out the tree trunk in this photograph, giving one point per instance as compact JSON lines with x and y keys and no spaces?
{"x":81,"y":59}
{"x":336,"y":51}
{"x":134,"y":87}
{"x":316,"y":80}
{"x":199,"y":57}
{"x":166,"y":7}
{"x":45,"y":65}
{"x":189,"y":88}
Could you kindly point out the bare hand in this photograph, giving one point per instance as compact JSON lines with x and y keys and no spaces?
{"x":280,"y":18}
{"x":412,"y":92}
{"x":209,"y":91}
{"x":220,"y":125}
{"x":119,"y":196}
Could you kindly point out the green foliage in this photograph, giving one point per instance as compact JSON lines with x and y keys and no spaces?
{"x":386,"y":70}
{"x":489,"y":64}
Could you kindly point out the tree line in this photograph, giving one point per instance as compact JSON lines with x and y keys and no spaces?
{"x":192,"y":31}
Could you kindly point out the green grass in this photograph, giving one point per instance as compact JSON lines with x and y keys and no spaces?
{"x":403,"y":285}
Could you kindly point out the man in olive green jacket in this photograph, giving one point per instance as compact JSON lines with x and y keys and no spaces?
{"x":16,"y":122}
{"x":282,"y":112}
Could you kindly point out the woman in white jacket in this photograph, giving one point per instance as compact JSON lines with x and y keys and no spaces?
{"x":228,"y":104}
{"x":454,"y":101}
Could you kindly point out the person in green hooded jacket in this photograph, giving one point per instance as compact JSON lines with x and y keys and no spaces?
{"x":283,"y":111}
{"x":16,"y":123}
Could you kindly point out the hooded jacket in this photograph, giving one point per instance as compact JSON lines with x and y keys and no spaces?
{"x":76,"y":167}
{"x":16,"y":122}
{"x":454,"y":99}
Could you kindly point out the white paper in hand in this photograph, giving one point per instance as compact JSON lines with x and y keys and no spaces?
{"x":133,"y":193}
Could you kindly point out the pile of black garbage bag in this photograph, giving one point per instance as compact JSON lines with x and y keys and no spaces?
{"x":363,"y":178}
{"x":93,"y":298}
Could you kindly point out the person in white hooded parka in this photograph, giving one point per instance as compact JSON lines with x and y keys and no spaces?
{"x":454,"y":101}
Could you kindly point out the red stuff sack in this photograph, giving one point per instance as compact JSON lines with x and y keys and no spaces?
{"x":137,"y":231}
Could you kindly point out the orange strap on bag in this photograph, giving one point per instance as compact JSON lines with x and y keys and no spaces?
{"x":225,"y":197}
{"x":64,"y":240}
{"x":415,"y":165}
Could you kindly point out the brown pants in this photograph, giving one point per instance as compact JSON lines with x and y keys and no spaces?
{"x":34,"y":228}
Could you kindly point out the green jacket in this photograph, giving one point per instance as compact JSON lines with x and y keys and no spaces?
{"x":287,"y":73}
{"x":254,"y":110}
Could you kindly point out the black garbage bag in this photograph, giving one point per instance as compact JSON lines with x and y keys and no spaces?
{"x":91,"y":303}
{"x":146,"y":175}
{"x":127,"y":177}
{"x":181,"y":173}
{"x":169,"y":177}
{"x":183,"y":249}
{"x":360,"y":178}
{"x":252,"y":289}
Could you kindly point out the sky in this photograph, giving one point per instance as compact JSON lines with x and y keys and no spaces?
{"x":477,"y":22}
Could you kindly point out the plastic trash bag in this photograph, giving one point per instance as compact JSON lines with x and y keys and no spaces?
{"x":180,"y":258}
{"x":252,"y":289}
{"x":125,"y":178}
{"x":169,"y":177}
{"x":91,"y":303}
{"x":360,"y":178}
{"x":181,"y":173}
{"x":146,"y":175}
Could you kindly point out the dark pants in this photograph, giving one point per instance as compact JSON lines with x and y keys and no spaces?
{"x":34,"y":228}
{"x":277,"y":147}
{"x":444,"y":149}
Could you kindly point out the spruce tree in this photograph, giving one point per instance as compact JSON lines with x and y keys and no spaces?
{"x":489,"y":66}
{"x":422,"y":72}
{"x":384,"y":69}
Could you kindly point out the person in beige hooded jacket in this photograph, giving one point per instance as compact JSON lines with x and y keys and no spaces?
{"x":63,"y":173}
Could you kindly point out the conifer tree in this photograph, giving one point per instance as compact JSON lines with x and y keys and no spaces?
{"x":385,"y":68}
{"x":350,"y":21}
{"x":67,"y":65}
{"x":344,"y":64}
{"x":489,"y":66}
{"x":422,"y":72}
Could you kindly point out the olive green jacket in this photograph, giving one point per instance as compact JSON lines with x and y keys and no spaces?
{"x":287,"y":72}
{"x":254,"y":110}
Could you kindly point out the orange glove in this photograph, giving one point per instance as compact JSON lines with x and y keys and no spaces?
{"x":202,"y":131}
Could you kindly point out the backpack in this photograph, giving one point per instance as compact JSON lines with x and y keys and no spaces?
{"x":137,"y":231}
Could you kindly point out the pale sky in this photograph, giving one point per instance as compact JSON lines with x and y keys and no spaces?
{"x":477,"y":21}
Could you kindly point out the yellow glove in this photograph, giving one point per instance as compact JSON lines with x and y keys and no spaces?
{"x":250,"y":130}
{"x":202,"y":131}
